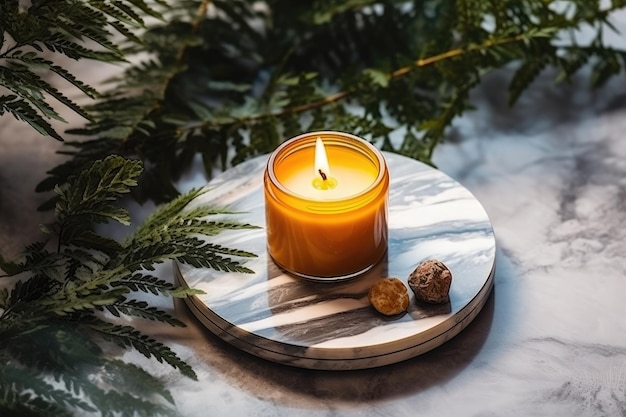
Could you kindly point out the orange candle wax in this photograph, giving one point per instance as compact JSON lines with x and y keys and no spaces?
{"x":326,"y":218}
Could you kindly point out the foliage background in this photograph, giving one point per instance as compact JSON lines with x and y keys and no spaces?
{"x":227,"y":80}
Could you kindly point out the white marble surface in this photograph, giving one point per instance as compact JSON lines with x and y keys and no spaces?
{"x":551,"y":340}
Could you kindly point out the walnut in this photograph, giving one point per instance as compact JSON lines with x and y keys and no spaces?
{"x":431,"y":281}
{"x":389,"y":296}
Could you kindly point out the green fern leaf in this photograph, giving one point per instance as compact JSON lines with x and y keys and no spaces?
{"x":124,"y":404}
{"x":22,"y":80}
{"x":26,"y":292}
{"x":93,"y":193}
{"x":125,"y":31}
{"x":607,"y":66}
{"x":73,"y":50}
{"x":73,"y":300}
{"x":142,"y":309}
{"x":38,"y":64}
{"x":154,"y":285}
{"x":524,"y":76}
{"x":143,"y":384}
{"x":162,"y":216}
{"x":34,"y":393}
{"x":200,"y":257}
{"x":191,"y":251}
{"x":23,"y":111}
{"x":128,"y":11}
{"x":89,"y":239}
{"x":126,"y":336}
{"x":115,"y":13}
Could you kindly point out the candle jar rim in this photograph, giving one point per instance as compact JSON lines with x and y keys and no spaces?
{"x":329,"y":137}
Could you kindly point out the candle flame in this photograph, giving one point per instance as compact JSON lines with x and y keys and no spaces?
{"x":321,"y":160}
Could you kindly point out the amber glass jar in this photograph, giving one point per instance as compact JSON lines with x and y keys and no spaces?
{"x":336,"y":232}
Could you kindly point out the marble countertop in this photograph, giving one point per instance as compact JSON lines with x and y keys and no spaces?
{"x":551,"y":340}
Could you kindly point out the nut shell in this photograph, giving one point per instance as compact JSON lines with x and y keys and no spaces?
{"x":431,"y":281}
{"x":389,"y":296}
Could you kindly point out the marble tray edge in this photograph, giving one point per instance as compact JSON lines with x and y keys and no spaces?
{"x":314,"y":360}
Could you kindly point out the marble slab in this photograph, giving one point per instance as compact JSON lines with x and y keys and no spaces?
{"x":282,"y":318}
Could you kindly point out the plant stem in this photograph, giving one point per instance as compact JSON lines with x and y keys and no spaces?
{"x":453,"y":53}
{"x":420,"y":63}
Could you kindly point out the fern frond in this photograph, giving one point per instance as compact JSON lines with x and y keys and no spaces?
{"x":126,"y":336}
{"x":26,"y":291}
{"x":79,"y":299}
{"x":154,"y":285}
{"x":36,"y":257}
{"x":524,"y":76}
{"x":35,"y":394}
{"x":160,"y":217}
{"x":106,"y":8}
{"x":116,"y":388}
{"x":608,"y":65}
{"x":143,"y":384}
{"x":143,"y":310}
{"x":206,"y":256}
{"x":94,"y":191}
{"x":124,"y":404}
{"x":192,"y":251}
{"x":90,"y":240}
{"x":22,"y":110}
{"x":29,"y":86}
{"x":184,"y":225}
{"x":171,"y":232}
{"x":78,"y":30}
{"x":60,"y":44}
{"x":110,"y":122}
{"x":38,"y":64}
{"x":573,"y":62}
{"x":151,"y":10}
{"x":120,"y":28}
{"x":188,"y":223}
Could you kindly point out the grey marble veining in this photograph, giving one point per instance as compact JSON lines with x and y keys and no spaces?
{"x":286,"y":319}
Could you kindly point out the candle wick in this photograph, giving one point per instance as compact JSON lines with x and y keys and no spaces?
{"x":322,"y":174}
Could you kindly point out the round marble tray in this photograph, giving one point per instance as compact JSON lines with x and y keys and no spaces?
{"x":285,"y":319}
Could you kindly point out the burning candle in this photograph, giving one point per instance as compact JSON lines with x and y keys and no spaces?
{"x":326,"y":198}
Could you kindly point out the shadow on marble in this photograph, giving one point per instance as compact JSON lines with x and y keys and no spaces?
{"x":272,"y":381}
